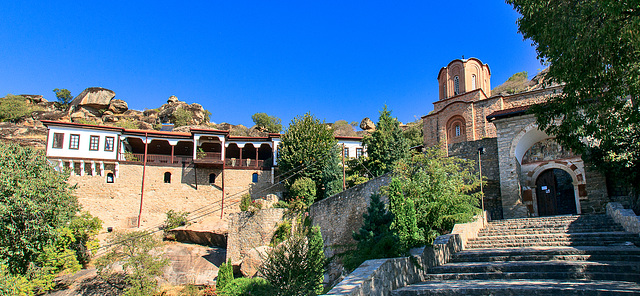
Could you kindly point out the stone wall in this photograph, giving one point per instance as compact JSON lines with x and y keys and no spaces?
{"x":490,"y":170}
{"x":341,"y":215}
{"x":381,"y":276}
{"x":625,"y":217}
{"x":117,"y":204}
{"x":249,"y":230}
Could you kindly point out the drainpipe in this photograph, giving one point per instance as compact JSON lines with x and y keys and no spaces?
{"x":144,"y":169}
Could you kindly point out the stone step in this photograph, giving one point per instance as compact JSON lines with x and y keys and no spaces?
{"x":578,"y":218}
{"x":484,"y":245}
{"x":547,"y":287}
{"x":590,"y":236}
{"x":593,"y":253}
{"x":559,"y":229}
{"x":596,"y":276}
{"x":572,"y":267}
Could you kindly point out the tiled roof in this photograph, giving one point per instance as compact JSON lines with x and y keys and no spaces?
{"x":508,"y":112}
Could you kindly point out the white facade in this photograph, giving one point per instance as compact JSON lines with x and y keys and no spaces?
{"x":352,"y":147}
{"x":62,"y":136}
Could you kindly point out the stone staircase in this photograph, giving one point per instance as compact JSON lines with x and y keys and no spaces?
{"x":562,"y":255}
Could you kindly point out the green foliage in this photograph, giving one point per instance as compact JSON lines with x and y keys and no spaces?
{"x":126,"y":123}
{"x":413,"y":133}
{"x":375,"y":240}
{"x":343,"y":128}
{"x":405,"y":222}
{"x":440,"y":188}
{"x":129,"y":156}
{"x":63,"y":95}
{"x":35,"y":201}
{"x":245,"y":202}
{"x":309,"y":145}
{"x":225,"y":275}
{"x":356,"y":172}
{"x":593,"y":47}
{"x":282,"y":233}
{"x":84,"y":229}
{"x":136,"y":251}
{"x":182,"y":117}
{"x":11,"y":284}
{"x":296,"y":267}
{"x":268,"y":123}
{"x":303,"y":188}
{"x":175,"y":219}
{"x":516,"y":83}
{"x":385,"y":145}
{"x":207,"y":116}
{"x":247,"y":286}
{"x":14,"y":107}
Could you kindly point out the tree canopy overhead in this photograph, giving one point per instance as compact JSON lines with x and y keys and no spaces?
{"x":593,"y":47}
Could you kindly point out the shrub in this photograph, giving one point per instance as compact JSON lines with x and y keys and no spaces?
{"x":182,"y":117}
{"x":247,"y":286}
{"x":303,"y":188}
{"x":296,"y":267}
{"x":225,"y":275}
{"x":127,"y":123}
{"x":136,"y":251}
{"x":175,"y":219}
{"x":84,"y":229}
{"x":13,"y":108}
{"x":245,"y":202}
{"x":268,"y":123}
{"x":282,"y":233}
{"x":375,"y":239}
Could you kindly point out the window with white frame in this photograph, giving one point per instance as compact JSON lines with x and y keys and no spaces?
{"x":346,"y":152}
{"x":94,"y":143}
{"x":359,"y":152}
{"x":456,"y":85}
{"x":108,"y":143}
{"x":74,"y":142}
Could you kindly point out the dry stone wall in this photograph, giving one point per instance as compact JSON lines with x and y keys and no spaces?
{"x":248,"y":230}
{"x":117,"y":204}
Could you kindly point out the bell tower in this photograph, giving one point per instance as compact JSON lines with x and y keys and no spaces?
{"x":462,"y":76}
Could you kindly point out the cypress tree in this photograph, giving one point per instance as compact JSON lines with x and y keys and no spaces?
{"x":386,"y":144}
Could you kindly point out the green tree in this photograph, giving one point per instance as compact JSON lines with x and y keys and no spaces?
{"x":225,"y":275}
{"x":593,"y":47}
{"x":386,"y":144}
{"x":375,"y":239}
{"x":14,"y":107}
{"x":405,"y":219}
{"x":136,"y":251}
{"x":182,"y":117}
{"x":296,"y":266}
{"x":268,"y":123}
{"x":310,"y":148}
{"x":63,"y":95}
{"x":247,"y":287}
{"x":35,"y":201}
{"x":441,"y":188}
{"x":303,"y":188}
{"x":413,"y":133}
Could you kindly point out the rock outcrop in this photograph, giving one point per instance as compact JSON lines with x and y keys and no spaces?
{"x":96,"y":97}
{"x":253,"y":259}
{"x":367,"y":125}
{"x":118,"y":106}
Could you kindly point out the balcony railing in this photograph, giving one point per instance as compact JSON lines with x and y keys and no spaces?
{"x":244,"y":163}
{"x":156,"y":158}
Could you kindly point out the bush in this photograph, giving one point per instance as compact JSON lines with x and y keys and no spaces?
{"x":182,"y":117}
{"x":282,"y":233}
{"x":136,"y":251}
{"x":247,"y":286}
{"x":175,"y":219}
{"x":245,"y":202}
{"x":268,"y":123}
{"x":14,"y":107}
{"x":296,"y":267}
{"x":127,"y":123}
{"x":303,"y":188}
{"x":225,"y":275}
{"x":84,"y":229}
{"x":375,"y":239}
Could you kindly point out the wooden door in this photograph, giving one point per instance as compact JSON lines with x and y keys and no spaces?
{"x":546,"y":193}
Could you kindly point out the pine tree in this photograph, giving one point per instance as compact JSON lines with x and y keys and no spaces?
{"x":386,"y":145}
{"x":405,"y":223}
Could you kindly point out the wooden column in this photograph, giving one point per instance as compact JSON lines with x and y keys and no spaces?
{"x":256,"y":156}
{"x":172,"y":149}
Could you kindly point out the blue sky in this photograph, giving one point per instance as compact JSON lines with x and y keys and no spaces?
{"x":335,"y":59}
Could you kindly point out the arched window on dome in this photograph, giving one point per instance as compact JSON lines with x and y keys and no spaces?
{"x":456,"y":85}
{"x":473,"y":81}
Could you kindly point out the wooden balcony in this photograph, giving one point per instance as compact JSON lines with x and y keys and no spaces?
{"x":209,"y":158}
{"x":203,"y":158}
{"x":156,"y":158}
{"x":244,"y":163}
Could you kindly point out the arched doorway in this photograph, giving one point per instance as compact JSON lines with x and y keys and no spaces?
{"x":555,"y":193}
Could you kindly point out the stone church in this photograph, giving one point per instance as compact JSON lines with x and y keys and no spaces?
{"x":527,"y":172}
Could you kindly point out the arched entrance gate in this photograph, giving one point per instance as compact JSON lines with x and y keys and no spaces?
{"x":555,"y":193}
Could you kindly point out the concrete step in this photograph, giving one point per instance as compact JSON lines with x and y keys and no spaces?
{"x":572,"y":267}
{"x":577,"y":253}
{"x":549,"y":287}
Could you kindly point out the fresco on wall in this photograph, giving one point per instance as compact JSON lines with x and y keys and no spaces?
{"x":546,"y":150}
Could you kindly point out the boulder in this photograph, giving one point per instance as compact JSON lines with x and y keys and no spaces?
{"x":253,"y":259}
{"x":85,"y":113}
{"x":367,"y":124}
{"x":192,"y":264}
{"x":35,"y":98}
{"x":133,"y":115}
{"x":118,"y":106}
{"x":209,"y":237}
{"x":96,"y":97}
{"x":109,"y":118}
{"x":172,"y":99}
{"x":267,"y":201}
